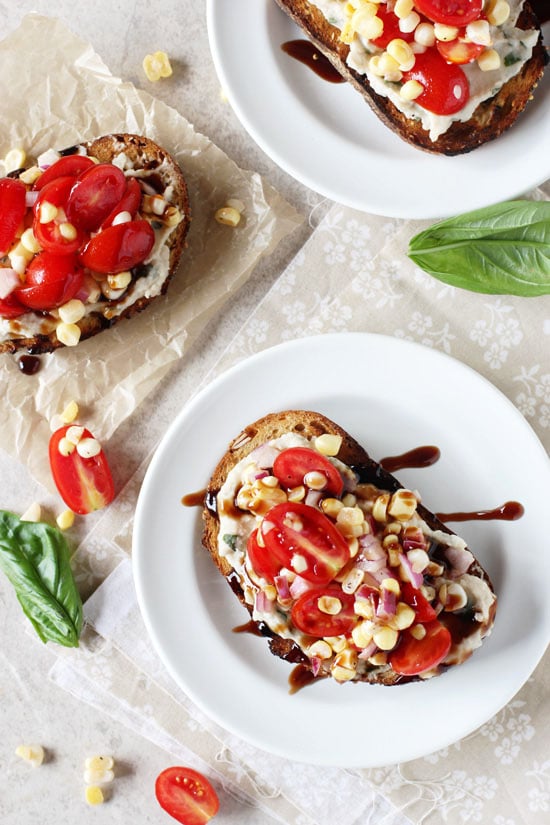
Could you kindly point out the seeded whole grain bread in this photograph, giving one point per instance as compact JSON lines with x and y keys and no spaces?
{"x":490,"y":119}
{"x":163,"y":171}
{"x":312,"y":424}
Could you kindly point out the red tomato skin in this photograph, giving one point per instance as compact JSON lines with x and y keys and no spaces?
{"x":391,"y":28}
{"x":186,"y":795}
{"x":119,"y":247}
{"x":459,"y":51}
{"x":450,"y":12}
{"x":50,"y":281}
{"x":261,"y":560}
{"x":84,"y":484}
{"x":413,"y":656}
{"x":56,"y":192}
{"x":440,"y":81}
{"x":12,"y":211}
{"x":71,"y":165}
{"x":130,"y":202}
{"x":292,"y":464}
{"x":307,"y":617}
{"x":319,"y":541}
{"x":94,"y":195}
{"x":10,"y":307}
{"x":414,"y":598}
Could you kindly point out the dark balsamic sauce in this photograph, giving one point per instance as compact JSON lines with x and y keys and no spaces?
{"x":29,"y":364}
{"x":254,"y":628}
{"x":300,"y":677}
{"x":196,"y":499}
{"x":305,"y":52}
{"x":509,"y":511}
{"x":542,"y":10}
{"x":419,"y":457}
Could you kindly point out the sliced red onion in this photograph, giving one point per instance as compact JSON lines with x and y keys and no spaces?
{"x":387,"y":604}
{"x":9,"y":280}
{"x":367,"y":651}
{"x":261,"y":474}
{"x":283,"y":589}
{"x":264,"y":456}
{"x":371,"y":565}
{"x":416,"y":579}
{"x":299,"y":586}
{"x":371,"y":547}
{"x":30,"y":198}
{"x":414,"y":540}
{"x":262,"y":604}
{"x":313,"y":497}
{"x":459,"y":558}
{"x":315,"y":665}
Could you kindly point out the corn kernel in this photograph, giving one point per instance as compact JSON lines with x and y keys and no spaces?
{"x":402,"y":505}
{"x":342,"y":674}
{"x":346,"y":658}
{"x":99,"y":776}
{"x":402,"y":53}
{"x":445,"y":33}
{"x":353,"y":546}
{"x":424,"y":34}
{"x":498,"y":12}
{"x":32,"y":513}
{"x":31,"y":174}
{"x":409,"y":23}
{"x":418,"y":631}
{"x":389,"y":67}
{"x":65,"y":446}
{"x":72,"y":311}
{"x":362,"y":634}
{"x":122,"y":217}
{"x":331,"y":605}
{"x":455,"y":597}
{"x":378,"y":659}
{"x":15,"y":159}
{"x":48,"y":212}
{"x":70,"y":413}
{"x":331,"y":507}
{"x":88,"y":447}
{"x":228,"y":216}
{"x":419,"y":560}
{"x":404,"y":616}
{"x":347,"y":34}
{"x":380,"y":507}
{"x":391,"y":585}
{"x":353,"y":579}
{"x":119,"y":281}
{"x":67,"y":230}
{"x":478,"y":31}
{"x":297,"y":493}
{"x":157,"y":65}
{"x":411,"y":89}
{"x":328,"y":444}
{"x":365,"y":22}
{"x":68,"y":334}
{"x":363,"y":608}
{"x":74,"y":434}
{"x":385,"y":637}
{"x":172,"y":216}
{"x":29,"y":241}
{"x":489,"y":60}
{"x":321,"y":649}
{"x":33,"y":754}
{"x":99,"y":763}
{"x":337,"y":643}
{"x":65,"y":520}
{"x":94,"y":795}
{"x":315,"y":480}
{"x":403,"y":8}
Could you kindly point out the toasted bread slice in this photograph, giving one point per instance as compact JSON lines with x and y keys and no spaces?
{"x":489,"y":120}
{"x":454,"y":585}
{"x":157,"y":172}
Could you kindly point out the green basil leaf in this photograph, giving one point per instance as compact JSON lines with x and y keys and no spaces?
{"x":502,"y":249}
{"x":35,"y":558}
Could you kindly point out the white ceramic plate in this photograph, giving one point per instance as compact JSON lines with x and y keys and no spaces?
{"x":326,"y":136}
{"x":392,"y":395}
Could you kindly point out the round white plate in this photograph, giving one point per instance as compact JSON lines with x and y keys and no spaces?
{"x":326,"y":136}
{"x":391,"y":395}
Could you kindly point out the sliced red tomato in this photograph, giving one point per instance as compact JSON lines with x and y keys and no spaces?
{"x":71,"y":165}
{"x":94,"y":196}
{"x":50,"y":281}
{"x":459,"y":50}
{"x":450,"y":12}
{"x":263,"y":563}
{"x":413,"y":656}
{"x":308,"y":615}
{"x":12,"y":211}
{"x":186,"y":795}
{"x":414,"y":598}
{"x":49,"y":234}
{"x":119,"y":247}
{"x":446,"y":88}
{"x":10,"y":307}
{"x":84,"y":484}
{"x":391,"y":28}
{"x":292,"y":464}
{"x":129,"y":202}
{"x":303,"y":539}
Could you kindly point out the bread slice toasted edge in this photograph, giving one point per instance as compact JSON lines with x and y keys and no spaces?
{"x":145,"y":153}
{"x":490,"y":119}
{"x":310,"y":424}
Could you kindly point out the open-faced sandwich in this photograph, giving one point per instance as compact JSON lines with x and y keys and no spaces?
{"x":343,"y":569}
{"x":88,"y":235}
{"x":445,"y":75}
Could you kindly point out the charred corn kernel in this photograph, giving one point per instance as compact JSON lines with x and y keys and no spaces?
{"x":32,"y":513}
{"x":394,"y":528}
{"x":352,"y":580}
{"x":33,"y":754}
{"x":88,"y":447}
{"x":419,"y":560}
{"x":15,"y":159}
{"x":315,"y":480}
{"x":172,"y":216}
{"x":402,"y":53}
{"x":321,"y":649}
{"x":328,"y":444}
{"x":489,"y":60}
{"x":297,"y":493}
{"x":403,"y":8}
{"x":31,"y":174}
{"x":67,"y":230}
{"x":391,"y":585}
{"x":28,"y":240}
{"x":70,"y":413}
{"x":228,"y":216}
{"x":331,"y":506}
{"x":347,"y":34}
{"x":409,"y":23}
{"x":156,"y":66}
{"x":478,"y":31}
{"x":385,"y":637}
{"x":65,"y":446}
{"x":119,"y":281}
{"x":331,"y":605}
{"x":434,"y":569}
{"x":264,"y":498}
{"x":110,"y":293}
{"x":453,"y":597}
{"x":47,"y":212}
{"x":65,"y":520}
{"x":378,"y":659}
{"x":404,"y":616}
{"x":362,"y":634}
{"x":498,"y":12}
{"x":424,"y":34}
{"x":68,"y":334}
{"x":402,"y":505}
{"x":72,"y":311}
{"x":365,"y":22}
{"x":74,"y":434}
{"x":349,"y":500}
{"x":445,"y":33}
{"x":337,"y":643}
{"x":122,"y":217}
{"x":380,"y":507}
{"x":350,"y":515}
{"x":411,"y":89}
{"x":418,"y":631}
{"x":94,"y":795}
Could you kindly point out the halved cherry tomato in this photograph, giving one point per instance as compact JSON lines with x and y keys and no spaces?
{"x":413,"y":656}
{"x":450,"y":12}
{"x":10,"y":307}
{"x":263,"y":563}
{"x":50,"y":281}
{"x":391,"y":28}
{"x":95,"y":194}
{"x":187,"y":796}
{"x":129,"y":202}
{"x":308,"y":616}
{"x":291,"y":466}
{"x":12,"y":211}
{"x":119,"y":247}
{"x":446,"y":87}
{"x":71,"y":165}
{"x":303,"y":539}
{"x":49,"y":234}
{"x":84,"y":484}
{"x":414,"y":598}
{"x":459,"y":50}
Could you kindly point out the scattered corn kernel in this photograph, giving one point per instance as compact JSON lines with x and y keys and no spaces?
{"x":385,"y":637}
{"x":98,"y":776}
{"x":409,"y":23}
{"x":342,"y":674}
{"x":68,"y":334}
{"x":65,"y":520}
{"x":67,"y":230}
{"x":331,"y":506}
{"x":94,"y":795}
{"x":498,"y":12}
{"x":378,"y":659}
{"x":297,"y":493}
{"x":353,"y":579}
{"x":404,"y":616}
{"x":418,"y":631}
{"x":403,"y":8}
{"x":65,"y":446}
{"x":489,"y":60}
{"x":331,"y":605}
{"x":328,"y":444}
{"x":411,"y":89}
{"x":228,"y":216}
{"x":15,"y":159}
{"x":424,"y":34}
{"x":32,"y":513}
{"x":156,"y":65}
{"x":33,"y":754}
{"x":321,"y":649}
{"x":347,"y":34}
{"x":452,"y":596}
{"x":365,"y":22}
{"x":315,"y":480}
{"x":48,"y":212}
{"x":391,"y":585}
{"x":402,"y":53}
{"x":389,"y":67}
{"x":119,"y":281}
{"x":478,"y":31}
{"x":172,"y":216}
{"x":74,"y":434}
{"x":362,"y":634}
{"x":88,"y":447}
{"x":380,"y":507}
{"x":402,"y":505}
{"x":337,"y":643}
{"x":70,"y":413}
{"x":346,"y":658}
{"x":445,"y":33}
{"x":29,"y":241}
{"x":30,"y":175}
{"x":73,"y":311}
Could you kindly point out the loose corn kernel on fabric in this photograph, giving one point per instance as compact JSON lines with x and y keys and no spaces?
{"x":156,"y":66}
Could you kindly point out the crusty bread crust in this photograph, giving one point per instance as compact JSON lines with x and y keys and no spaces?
{"x":309,"y":424}
{"x":143,"y":153}
{"x":491,"y":118}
